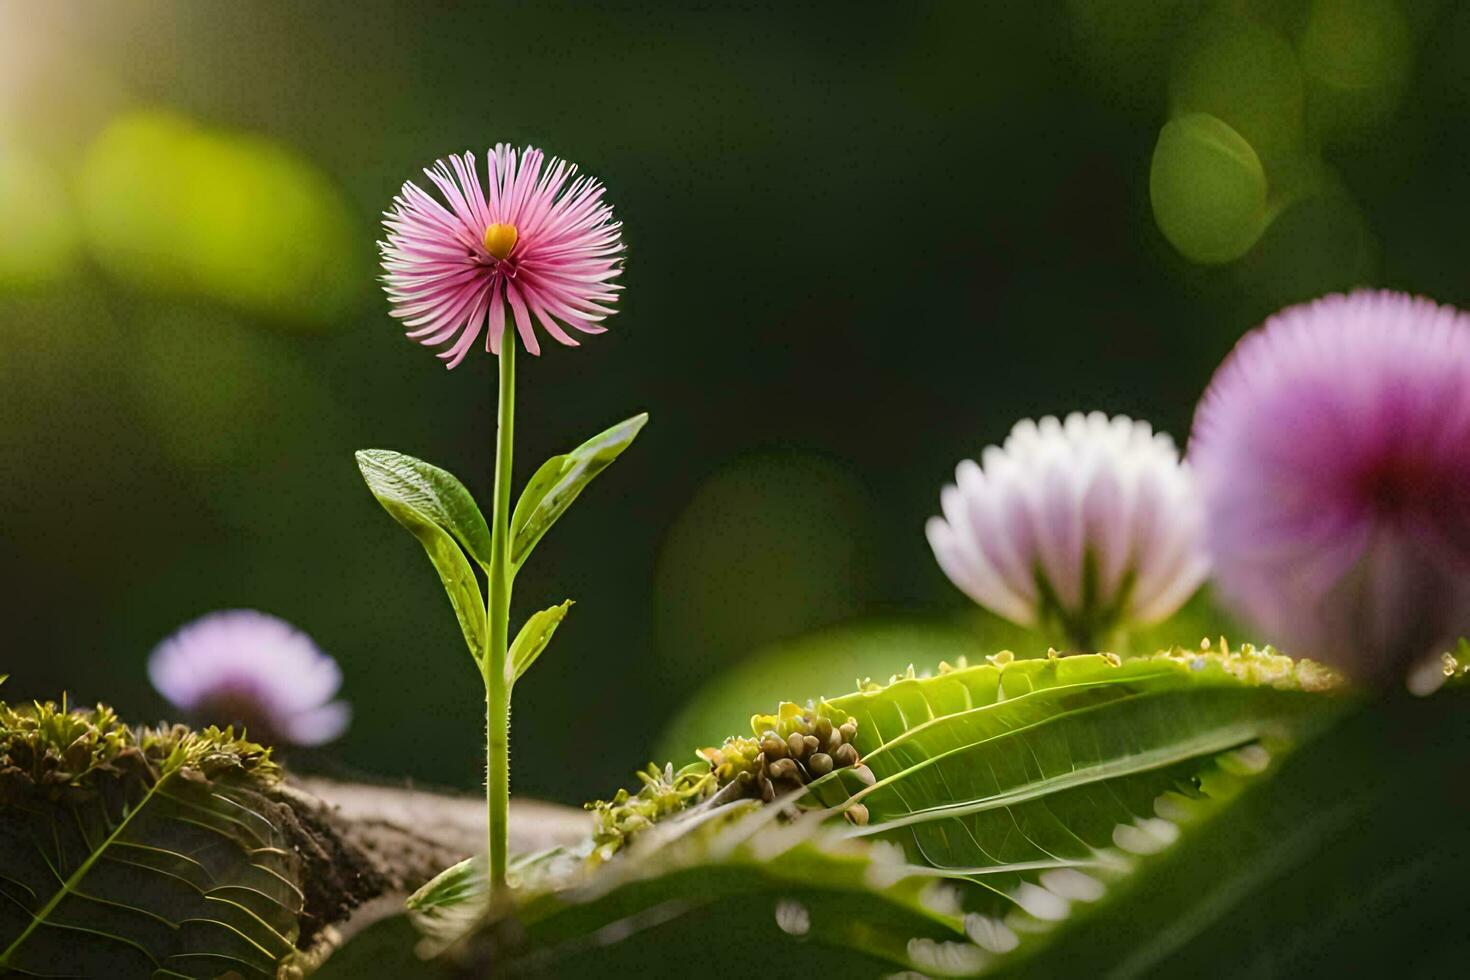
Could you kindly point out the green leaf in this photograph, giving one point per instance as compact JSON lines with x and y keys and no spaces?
{"x":560,"y":479}
{"x":821,"y":663}
{"x":457,"y":885}
{"x":1037,"y":786}
{"x":1352,"y":860}
{"x":433,"y":493}
{"x":451,"y":903}
{"x":722,"y":888}
{"x":1011,"y":801}
{"x":533,"y":638}
{"x":386,"y":949}
{"x":138,"y":853}
{"x":734,"y":886}
{"x":437,"y":510}
{"x":1346,"y":856}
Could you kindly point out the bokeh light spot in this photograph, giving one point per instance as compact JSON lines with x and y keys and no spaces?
{"x":1357,"y":54}
{"x":38,"y":232}
{"x":771,"y":546}
{"x":1125,"y":44}
{"x":222,"y":398}
{"x":1208,"y":189}
{"x":171,"y":206}
{"x":1320,"y":243}
{"x":132,"y":195}
{"x":1246,"y":74}
{"x":822,"y":664}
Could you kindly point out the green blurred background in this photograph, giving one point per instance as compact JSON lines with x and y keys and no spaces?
{"x":863,"y":241}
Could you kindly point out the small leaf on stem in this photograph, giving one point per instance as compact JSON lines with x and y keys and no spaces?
{"x":532,"y":639}
{"x":558,"y":482}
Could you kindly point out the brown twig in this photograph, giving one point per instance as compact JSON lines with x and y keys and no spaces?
{"x":360,"y":842}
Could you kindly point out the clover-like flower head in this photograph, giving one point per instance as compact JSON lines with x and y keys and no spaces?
{"x":1333,"y":451}
{"x":1090,"y":524}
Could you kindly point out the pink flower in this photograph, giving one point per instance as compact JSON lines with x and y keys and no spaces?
{"x":540,"y":241}
{"x":1087,"y":524}
{"x":1333,"y":449}
{"x":241,"y":667}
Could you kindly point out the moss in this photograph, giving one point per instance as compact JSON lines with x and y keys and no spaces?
{"x":63,"y":754}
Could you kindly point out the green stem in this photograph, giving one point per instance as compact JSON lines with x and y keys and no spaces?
{"x":497,"y":685}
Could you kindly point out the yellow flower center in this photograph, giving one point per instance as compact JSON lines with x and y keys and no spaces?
{"x":500,"y":239}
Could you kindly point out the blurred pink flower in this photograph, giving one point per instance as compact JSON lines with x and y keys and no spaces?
{"x":243,"y":667}
{"x":1091,"y":523}
{"x":1333,"y":450}
{"x":540,"y":241}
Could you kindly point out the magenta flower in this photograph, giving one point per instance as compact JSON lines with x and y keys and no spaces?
{"x":1333,"y":449}
{"x":539,"y":240}
{"x":1089,"y":524}
{"x":243,"y":667}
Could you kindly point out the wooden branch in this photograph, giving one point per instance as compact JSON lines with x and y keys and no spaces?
{"x":360,"y":842}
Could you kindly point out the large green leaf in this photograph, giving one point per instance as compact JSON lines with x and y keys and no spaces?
{"x":138,"y":854}
{"x":1352,"y":860}
{"x":861,"y":906}
{"x":438,"y":511}
{"x":824,"y":663}
{"x":1011,"y":799}
{"x":560,"y":479}
{"x":1347,"y":856}
{"x":1031,"y":788}
{"x":385,"y":948}
{"x":700,"y":878}
{"x":1039,"y":785}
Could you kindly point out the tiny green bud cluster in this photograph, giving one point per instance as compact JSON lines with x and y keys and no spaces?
{"x":664,"y":793}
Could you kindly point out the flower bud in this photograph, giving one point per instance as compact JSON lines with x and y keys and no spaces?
{"x":782,"y":769}
{"x":1082,"y":526}
{"x":797,"y":744}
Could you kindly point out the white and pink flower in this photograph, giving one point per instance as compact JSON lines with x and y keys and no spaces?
{"x":248,"y":669}
{"x":1086,"y":525}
